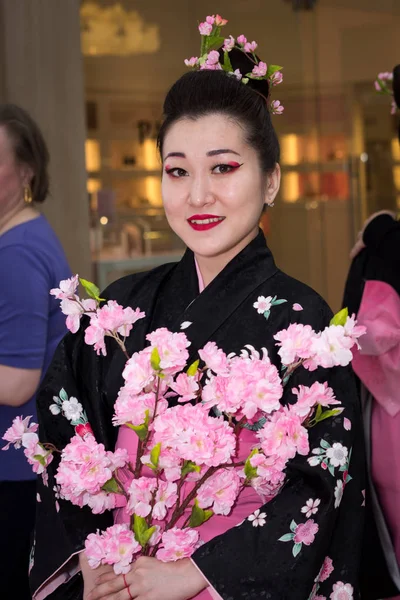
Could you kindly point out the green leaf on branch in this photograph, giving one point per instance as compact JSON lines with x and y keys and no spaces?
{"x":340,"y":318}
{"x":111,"y":486}
{"x":155,"y":454}
{"x":227,"y":66}
{"x":155,"y":360}
{"x":273,"y":69}
{"x":329,"y":413}
{"x":214,"y":42}
{"x":250,"y":471}
{"x":189,"y":467}
{"x":141,"y":430}
{"x":199,"y":516}
{"x":192,"y":370}
{"x":91,"y":289}
{"x":318,"y":412}
{"x":141,"y":530}
{"x":41,"y":459}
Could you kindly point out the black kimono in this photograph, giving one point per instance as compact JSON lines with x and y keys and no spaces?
{"x":248,"y":561}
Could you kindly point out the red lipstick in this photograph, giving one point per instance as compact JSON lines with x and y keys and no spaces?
{"x":204,"y":222}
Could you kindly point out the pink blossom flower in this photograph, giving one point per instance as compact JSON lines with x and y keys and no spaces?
{"x":250,"y":46}
{"x":276,"y":107}
{"x":94,"y":550}
{"x":295,"y":342}
{"x":263,"y":304}
{"x":166,"y":497}
{"x":219,"y":21}
{"x":237,"y":74}
{"x":326,"y":569}
{"x":332,"y":347}
{"x":15,"y":433}
{"x":260,"y":70}
{"x":309,"y":397}
{"x":118,"y":459}
{"x":121,"y":546}
{"x":196,"y":436}
{"x":84,"y":468}
{"x":99,"y":503}
{"x":141,"y":493}
{"x":138,"y":372}
{"x":242,"y":40}
{"x":169,"y":461}
{"x":210,"y":20}
{"x":253,"y":385}
{"x":67,"y":288}
{"x":220,"y":491}
{"x":172,"y":348}
{"x":211,"y":67}
{"x":177,"y":544}
{"x":191,"y":62}
{"x":205,"y":28}
{"x":385,"y":76}
{"x":186,"y":386}
{"x":112,"y":318}
{"x":284,"y":435}
{"x":131,"y":408}
{"x":38,"y":457}
{"x":311,"y":507}
{"x":342,"y":591}
{"x":270,"y":471}
{"x":115,"y":546}
{"x":276,"y":78}
{"x":74,"y":309}
{"x":297,"y":307}
{"x":229,"y":43}
{"x":94,"y":336}
{"x":352,"y":330}
{"x":305,"y":532}
{"x":212,"y":62}
{"x":214,"y":358}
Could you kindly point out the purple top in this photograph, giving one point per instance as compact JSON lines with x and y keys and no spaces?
{"x":32,"y":262}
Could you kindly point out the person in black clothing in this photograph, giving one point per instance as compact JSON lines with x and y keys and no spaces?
{"x":376,"y":266}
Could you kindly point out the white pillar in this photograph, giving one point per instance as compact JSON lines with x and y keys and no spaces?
{"x":41,"y":70}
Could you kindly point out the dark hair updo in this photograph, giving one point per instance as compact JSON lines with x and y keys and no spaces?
{"x":29,"y":146}
{"x":201,"y":93}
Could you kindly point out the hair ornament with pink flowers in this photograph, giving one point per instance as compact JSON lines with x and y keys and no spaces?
{"x":213,"y":44}
{"x":384,"y":85}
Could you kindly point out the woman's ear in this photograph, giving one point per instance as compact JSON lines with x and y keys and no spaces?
{"x":273,"y":184}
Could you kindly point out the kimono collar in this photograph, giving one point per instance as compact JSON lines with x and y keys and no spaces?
{"x":207,"y":311}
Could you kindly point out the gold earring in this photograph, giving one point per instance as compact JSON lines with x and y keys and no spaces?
{"x":27,"y":194}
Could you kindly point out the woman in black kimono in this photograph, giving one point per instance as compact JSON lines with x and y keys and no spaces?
{"x":376,"y":266}
{"x":220,"y":158}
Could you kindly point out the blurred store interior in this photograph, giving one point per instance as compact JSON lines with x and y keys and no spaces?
{"x":94,"y":73}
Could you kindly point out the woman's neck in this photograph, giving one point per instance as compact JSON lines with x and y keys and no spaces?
{"x":20,"y":214}
{"x":211,"y":266}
